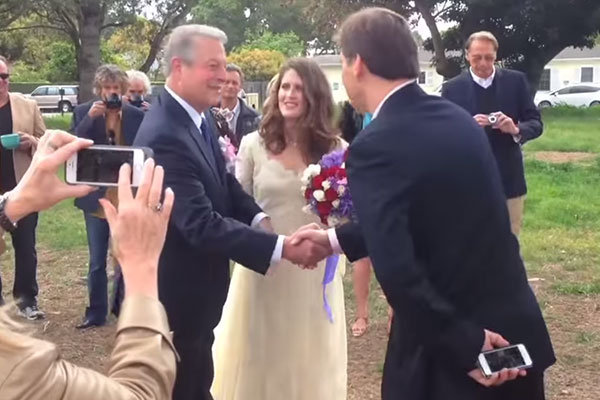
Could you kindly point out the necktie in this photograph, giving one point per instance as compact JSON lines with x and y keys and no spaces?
{"x":207,"y":136}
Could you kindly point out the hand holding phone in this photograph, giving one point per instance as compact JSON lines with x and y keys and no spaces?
{"x":100,"y":165}
{"x":495,"y":341}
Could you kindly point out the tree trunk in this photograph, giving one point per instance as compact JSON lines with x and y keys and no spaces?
{"x":169,"y":24}
{"x":443,"y":66}
{"x":90,"y":23}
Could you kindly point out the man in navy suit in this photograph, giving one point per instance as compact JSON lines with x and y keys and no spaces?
{"x":105,"y":123}
{"x":432,"y":216}
{"x":213,"y":219}
{"x":504,"y":94}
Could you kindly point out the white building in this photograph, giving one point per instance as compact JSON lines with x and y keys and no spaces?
{"x":570,"y":66}
{"x":332,"y":67}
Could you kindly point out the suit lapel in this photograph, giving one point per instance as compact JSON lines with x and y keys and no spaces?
{"x":181,"y":116}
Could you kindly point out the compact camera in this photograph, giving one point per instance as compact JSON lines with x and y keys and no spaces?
{"x":136,"y":100}
{"x":492,"y":119}
{"x":113,"y":102}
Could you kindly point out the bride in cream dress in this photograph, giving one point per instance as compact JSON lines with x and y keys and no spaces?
{"x":275,"y":341}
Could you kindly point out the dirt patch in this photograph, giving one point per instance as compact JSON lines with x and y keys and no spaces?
{"x":574,"y":323}
{"x":561,"y":157}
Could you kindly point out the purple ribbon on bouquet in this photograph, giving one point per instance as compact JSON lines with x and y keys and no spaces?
{"x":330,"y":268}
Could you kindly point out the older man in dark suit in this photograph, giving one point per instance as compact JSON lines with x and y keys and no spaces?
{"x":500,"y":101}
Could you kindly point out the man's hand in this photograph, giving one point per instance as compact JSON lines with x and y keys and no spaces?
{"x":493,"y":340}
{"x":98,"y":109}
{"x":306,"y":253}
{"x":506,"y":124}
{"x":145,"y":106}
{"x":482,"y":120}
{"x":26,"y":141}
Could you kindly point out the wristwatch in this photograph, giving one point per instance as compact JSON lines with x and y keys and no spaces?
{"x":5,"y":223}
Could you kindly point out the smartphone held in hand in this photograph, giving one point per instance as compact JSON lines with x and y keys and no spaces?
{"x":99,"y":165}
{"x":509,"y":357}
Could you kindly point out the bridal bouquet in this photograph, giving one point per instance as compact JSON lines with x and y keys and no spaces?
{"x":325,"y":188}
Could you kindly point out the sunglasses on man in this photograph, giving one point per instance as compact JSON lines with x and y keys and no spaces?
{"x":4,"y":76}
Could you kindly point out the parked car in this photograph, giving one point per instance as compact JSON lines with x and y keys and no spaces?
{"x":580,"y":95}
{"x":49,"y":97}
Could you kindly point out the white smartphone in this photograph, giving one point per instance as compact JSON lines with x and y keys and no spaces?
{"x":99,"y":165}
{"x":493,"y":361}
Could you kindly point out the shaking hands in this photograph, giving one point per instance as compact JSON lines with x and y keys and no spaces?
{"x":307,"y":246}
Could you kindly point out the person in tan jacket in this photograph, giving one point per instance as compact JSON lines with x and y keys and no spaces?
{"x":20,"y":115}
{"x":142,"y":364}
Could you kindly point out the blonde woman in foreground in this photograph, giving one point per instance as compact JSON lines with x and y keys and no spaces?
{"x":142,"y":364}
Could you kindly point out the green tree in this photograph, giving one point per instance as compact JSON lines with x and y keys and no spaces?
{"x":257,"y":64}
{"x":287,"y":43}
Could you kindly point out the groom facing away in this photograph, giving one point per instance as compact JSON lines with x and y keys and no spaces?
{"x":434,"y":221}
{"x":213,"y":219}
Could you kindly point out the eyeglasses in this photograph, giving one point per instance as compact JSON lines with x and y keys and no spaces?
{"x":4,"y":76}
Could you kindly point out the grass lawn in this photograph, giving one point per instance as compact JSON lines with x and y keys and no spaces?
{"x":560,"y":244}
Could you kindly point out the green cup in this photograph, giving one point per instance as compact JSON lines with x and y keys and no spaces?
{"x":11,"y":141}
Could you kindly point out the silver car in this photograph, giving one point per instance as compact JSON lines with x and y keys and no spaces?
{"x":49,"y":97}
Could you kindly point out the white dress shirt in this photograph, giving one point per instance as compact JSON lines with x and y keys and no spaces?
{"x":199,"y":119}
{"x":483,"y":82}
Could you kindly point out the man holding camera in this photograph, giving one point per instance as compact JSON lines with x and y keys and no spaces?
{"x":501,"y":103}
{"x":139,"y":90}
{"x":108,"y":121}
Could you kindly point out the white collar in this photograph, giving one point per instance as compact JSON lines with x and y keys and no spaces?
{"x":390,"y":94}
{"x":196,"y":117}
{"x":237,"y":108}
{"x":484,"y":83}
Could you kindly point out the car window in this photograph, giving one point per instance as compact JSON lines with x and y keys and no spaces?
{"x":39,"y":91}
{"x":588,"y":89}
{"x":52,"y":91}
{"x":69,"y":91}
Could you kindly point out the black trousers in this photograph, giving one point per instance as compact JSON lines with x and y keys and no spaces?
{"x":412,"y":375}
{"x":195,"y":370}
{"x":25,"y":288}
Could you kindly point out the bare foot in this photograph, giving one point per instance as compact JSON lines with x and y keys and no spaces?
{"x":360,"y":326}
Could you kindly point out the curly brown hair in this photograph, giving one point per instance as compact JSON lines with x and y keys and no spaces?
{"x":318,"y":134}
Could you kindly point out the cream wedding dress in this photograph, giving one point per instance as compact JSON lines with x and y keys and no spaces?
{"x":274,"y":341}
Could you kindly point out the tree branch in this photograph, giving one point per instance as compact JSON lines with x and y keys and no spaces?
{"x":20,"y":28}
{"x":119,"y":24}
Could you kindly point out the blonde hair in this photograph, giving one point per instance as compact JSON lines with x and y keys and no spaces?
{"x":135,"y":75}
{"x":482,"y":35}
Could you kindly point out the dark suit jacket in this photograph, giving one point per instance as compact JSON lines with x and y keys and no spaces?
{"x":515,"y":100}
{"x":95,"y":129}
{"x":429,"y":201}
{"x":209,"y":224}
{"x":247,"y":121}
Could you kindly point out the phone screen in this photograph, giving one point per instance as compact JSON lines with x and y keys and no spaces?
{"x":509,"y":357}
{"x":101,"y":166}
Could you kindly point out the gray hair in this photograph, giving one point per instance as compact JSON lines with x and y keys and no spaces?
{"x":181,"y":43}
{"x":139,"y":76}
{"x":110,"y":73}
{"x":482,"y":35}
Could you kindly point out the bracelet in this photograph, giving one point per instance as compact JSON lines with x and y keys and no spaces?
{"x":5,"y":223}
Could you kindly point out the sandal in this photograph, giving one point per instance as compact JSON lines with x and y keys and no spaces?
{"x":360,"y":326}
